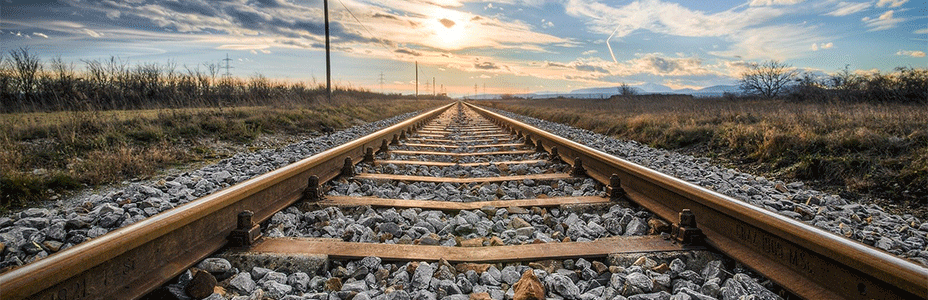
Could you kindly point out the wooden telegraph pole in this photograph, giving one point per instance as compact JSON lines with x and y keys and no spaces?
{"x":328,"y":61}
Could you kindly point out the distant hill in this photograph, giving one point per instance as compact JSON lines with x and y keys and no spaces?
{"x":606,"y":92}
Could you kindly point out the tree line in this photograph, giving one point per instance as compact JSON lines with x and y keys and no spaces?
{"x":774,"y":79}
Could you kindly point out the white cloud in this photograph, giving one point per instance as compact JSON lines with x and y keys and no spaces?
{"x":774,"y":2}
{"x":921,"y":31}
{"x":753,"y":31}
{"x":912,"y":53}
{"x":589,"y":52}
{"x":39,"y":34}
{"x":891,"y":3}
{"x":847,"y":8}
{"x":822,"y":46}
{"x":92,"y":33}
{"x":883,"y":22}
{"x":243,"y":47}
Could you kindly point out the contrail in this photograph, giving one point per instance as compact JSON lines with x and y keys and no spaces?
{"x":610,"y":47}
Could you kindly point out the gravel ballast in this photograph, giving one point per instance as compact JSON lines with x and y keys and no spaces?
{"x":34,"y":233}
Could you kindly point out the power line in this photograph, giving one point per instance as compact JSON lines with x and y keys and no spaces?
{"x":380,"y":41}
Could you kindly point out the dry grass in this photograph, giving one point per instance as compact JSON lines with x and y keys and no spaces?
{"x":42,"y":154}
{"x":857,"y":149}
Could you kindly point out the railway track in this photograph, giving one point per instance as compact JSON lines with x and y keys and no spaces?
{"x":463,"y":186}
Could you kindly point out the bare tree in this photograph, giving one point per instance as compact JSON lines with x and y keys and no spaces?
{"x":768,"y":79}
{"x":27,"y":67}
{"x":626,"y":90}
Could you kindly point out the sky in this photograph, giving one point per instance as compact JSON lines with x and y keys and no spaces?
{"x":507,"y":46}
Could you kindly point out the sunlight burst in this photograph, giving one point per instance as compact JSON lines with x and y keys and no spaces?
{"x":449,"y":32}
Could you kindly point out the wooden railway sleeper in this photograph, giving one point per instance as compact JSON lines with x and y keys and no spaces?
{"x":247,"y":232}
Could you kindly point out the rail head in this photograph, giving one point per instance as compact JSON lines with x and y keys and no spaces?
{"x":130,"y":261}
{"x":806,"y":260}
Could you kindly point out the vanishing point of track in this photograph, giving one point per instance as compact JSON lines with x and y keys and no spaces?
{"x":134,"y":260}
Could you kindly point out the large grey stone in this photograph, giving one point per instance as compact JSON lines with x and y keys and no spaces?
{"x":562,"y":285}
{"x":243,"y":282}
{"x":215,"y":265}
{"x":422,"y":276}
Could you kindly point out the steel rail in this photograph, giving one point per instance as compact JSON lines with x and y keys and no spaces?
{"x":807,"y":261}
{"x":129,"y":262}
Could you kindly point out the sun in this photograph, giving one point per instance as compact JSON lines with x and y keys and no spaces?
{"x":448,"y":33}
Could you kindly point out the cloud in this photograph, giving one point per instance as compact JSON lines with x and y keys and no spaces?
{"x":589,"y":52}
{"x":92,"y":33}
{"x":912,"y":53}
{"x":774,"y":2}
{"x":816,"y":47}
{"x":883,"y":22}
{"x":847,"y":8}
{"x":447,"y":23}
{"x":659,"y":65}
{"x":485,"y":65}
{"x":407,"y":51}
{"x":591,"y":68}
{"x":385,"y":16}
{"x":39,"y":34}
{"x":242,"y":47}
{"x":754,"y":32}
{"x":891,"y":3}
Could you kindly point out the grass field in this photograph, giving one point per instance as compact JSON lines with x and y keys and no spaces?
{"x":44,"y":154}
{"x":862,"y":151}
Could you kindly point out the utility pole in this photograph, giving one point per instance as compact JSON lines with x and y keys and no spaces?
{"x":434,"y":93}
{"x":381,"y":82}
{"x":417,"y":79}
{"x":328,"y":61}
{"x":475,"y":91}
